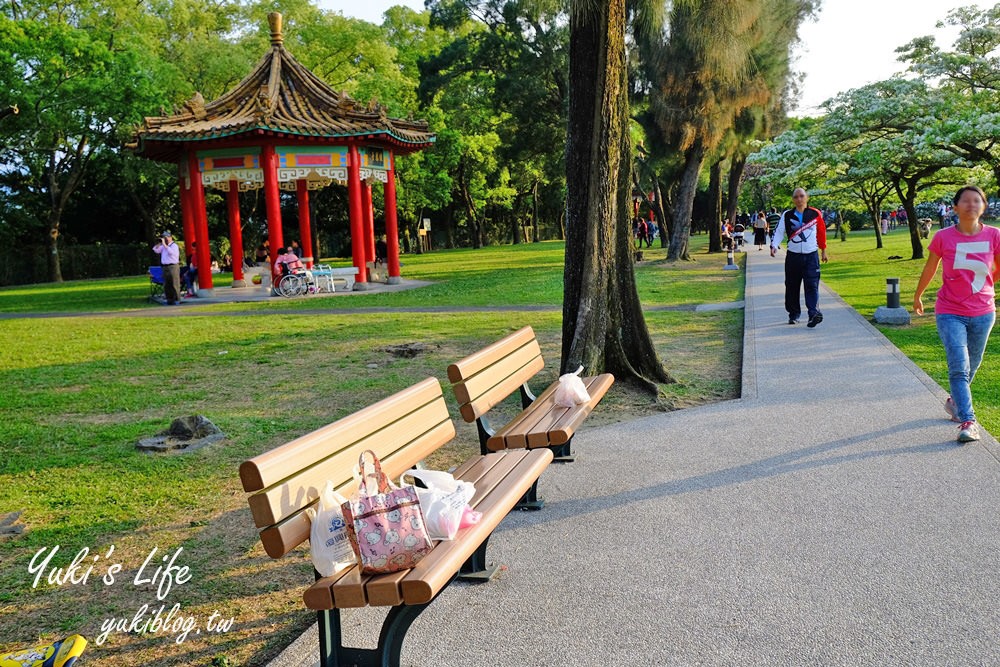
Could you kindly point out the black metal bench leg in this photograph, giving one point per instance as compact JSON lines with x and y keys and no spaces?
{"x":475,"y":569}
{"x":333,"y":653}
{"x":563,"y":453}
{"x":485,"y":433}
{"x":530,"y":500}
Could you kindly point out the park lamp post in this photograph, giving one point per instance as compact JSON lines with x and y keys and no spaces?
{"x":730,"y":264}
{"x":892,"y":312}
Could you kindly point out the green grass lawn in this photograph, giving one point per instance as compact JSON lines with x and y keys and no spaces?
{"x":84,"y":387}
{"x":858,"y":271}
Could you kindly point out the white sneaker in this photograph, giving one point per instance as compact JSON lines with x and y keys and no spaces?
{"x":949,"y":407}
{"x":968,"y":432}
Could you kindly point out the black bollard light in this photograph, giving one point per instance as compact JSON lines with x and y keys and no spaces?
{"x":730,"y":264}
{"x":891,"y":313}
{"x":892,"y":292}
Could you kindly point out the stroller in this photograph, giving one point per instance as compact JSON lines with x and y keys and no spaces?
{"x":738,"y":237}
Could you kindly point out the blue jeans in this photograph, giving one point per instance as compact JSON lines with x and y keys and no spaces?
{"x":964,"y":341}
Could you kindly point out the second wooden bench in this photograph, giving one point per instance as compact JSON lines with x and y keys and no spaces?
{"x":484,"y":379}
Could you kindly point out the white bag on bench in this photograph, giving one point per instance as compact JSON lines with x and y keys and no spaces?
{"x":571,"y":391}
{"x":443,"y":501}
{"x":329,"y":542}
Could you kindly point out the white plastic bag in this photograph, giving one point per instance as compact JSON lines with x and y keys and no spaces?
{"x":571,"y":391}
{"x":443,"y":502}
{"x":328,"y":540}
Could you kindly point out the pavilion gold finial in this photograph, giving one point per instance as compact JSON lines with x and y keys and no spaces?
{"x":274,"y":20}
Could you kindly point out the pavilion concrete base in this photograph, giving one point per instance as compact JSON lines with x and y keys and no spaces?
{"x":394,"y":280}
{"x":204,"y":293}
{"x":361,"y":287}
{"x":239,"y":283}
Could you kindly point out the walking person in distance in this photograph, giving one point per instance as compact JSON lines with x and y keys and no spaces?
{"x":969,"y":254}
{"x":805,"y":230}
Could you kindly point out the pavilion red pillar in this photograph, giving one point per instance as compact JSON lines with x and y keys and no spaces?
{"x":187,"y":216}
{"x":305,"y":227}
{"x":272,"y":203}
{"x":235,"y":233}
{"x":354,"y":208}
{"x":369,"y":219}
{"x":200,"y":226}
{"x":392,"y":224}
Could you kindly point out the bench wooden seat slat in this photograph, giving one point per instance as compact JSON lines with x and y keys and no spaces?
{"x":521,"y":362}
{"x":349,"y":590}
{"x":496,"y":496}
{"x":320,"y":594}
{"x":549,"y":424}
{"x":514,"y":434}
{"x":567,"y":423}
{"x":384,"y":590}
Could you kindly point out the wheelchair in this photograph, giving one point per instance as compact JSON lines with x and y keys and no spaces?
{"x":294,"y":283}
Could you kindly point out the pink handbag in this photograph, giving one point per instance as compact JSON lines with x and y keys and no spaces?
{"x":384,"y":522}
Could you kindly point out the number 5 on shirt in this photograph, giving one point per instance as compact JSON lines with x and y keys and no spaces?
{"x":979,"y":268}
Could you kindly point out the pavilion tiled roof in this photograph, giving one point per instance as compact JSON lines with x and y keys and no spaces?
{"x":280,"y":97}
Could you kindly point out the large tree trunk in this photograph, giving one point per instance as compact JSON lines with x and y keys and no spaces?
{"x":72,"y":165}
{"x":603,"y":324}
{"x":475,"y":227}
{"x":877,"y":223}
{"x":666,"y":209}
{"x":909,"y":197}
{"x":715,"y":207}
{"x":55,"y":266}
{"x":534,"y":212}
{"x":735,"y":176}
{"x":679,"y":240}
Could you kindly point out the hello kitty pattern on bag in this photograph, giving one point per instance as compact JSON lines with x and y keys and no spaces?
{"x":386,"y":527}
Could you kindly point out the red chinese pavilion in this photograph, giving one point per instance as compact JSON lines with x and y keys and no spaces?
{"x":282,"y":128}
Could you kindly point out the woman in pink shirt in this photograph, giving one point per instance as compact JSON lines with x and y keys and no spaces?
{"x":969,"y":253}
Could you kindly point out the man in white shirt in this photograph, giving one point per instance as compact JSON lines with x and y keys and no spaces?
{"x":170,"y":256}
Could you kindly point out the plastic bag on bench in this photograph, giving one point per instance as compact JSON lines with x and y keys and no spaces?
{"x":571,"y":391}
{"x":443,"y":502}
{"x":329,"y":543}
{"x":384,"y":522}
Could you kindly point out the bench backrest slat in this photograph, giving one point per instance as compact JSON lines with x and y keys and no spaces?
{"x":273,"y":466}
{"x":484,"y":379}
{"x":476,"y":362}
{"x":300,"y":490}
{"x":402,"y":429}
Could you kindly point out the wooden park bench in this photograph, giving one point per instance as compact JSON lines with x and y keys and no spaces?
{"x":401,"y":430}
{"x":484,"y":379}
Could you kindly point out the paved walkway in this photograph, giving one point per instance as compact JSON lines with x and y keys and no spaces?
{"x":827,"y":517}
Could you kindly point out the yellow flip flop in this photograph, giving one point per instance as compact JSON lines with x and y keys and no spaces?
{"x":62,"y":653}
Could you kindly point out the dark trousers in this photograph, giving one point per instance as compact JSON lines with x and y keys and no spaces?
{"x":801,"y":270}
{"x":172,"y":282}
